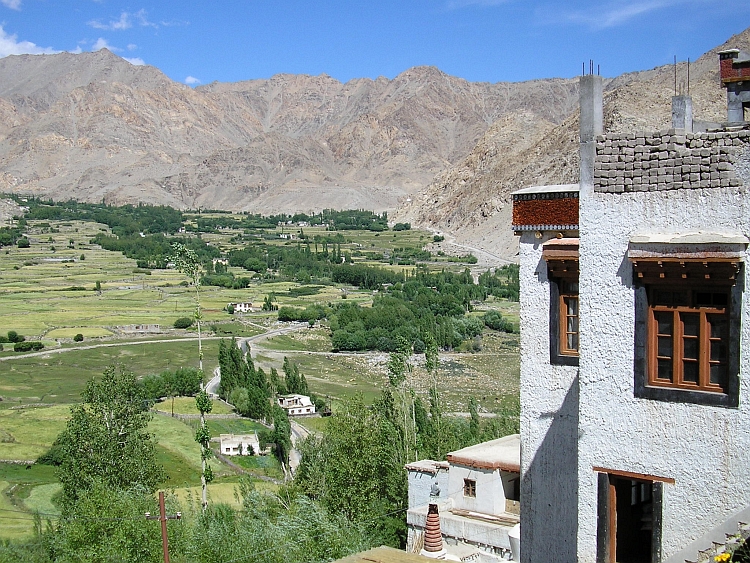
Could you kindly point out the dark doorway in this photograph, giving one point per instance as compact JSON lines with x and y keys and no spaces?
{"x":633,"y":526}
{"x":629,"y":518}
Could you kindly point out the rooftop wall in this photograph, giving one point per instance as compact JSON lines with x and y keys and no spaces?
{"x":638,"y":162}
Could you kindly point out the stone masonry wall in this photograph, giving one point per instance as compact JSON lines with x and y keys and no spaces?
{"x":642,"y":163}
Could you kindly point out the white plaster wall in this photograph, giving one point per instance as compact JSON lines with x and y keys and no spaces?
{"x":548,"y":422}
{"x":490,"y":497}
{"x":420,"y":484}
{"x":703,"y":448}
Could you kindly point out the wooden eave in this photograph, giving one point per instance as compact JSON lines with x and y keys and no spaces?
{"x":479,"y":464}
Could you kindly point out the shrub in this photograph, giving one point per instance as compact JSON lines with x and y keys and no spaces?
{"x":495,"y":321}
{"x":23,"y":242}
{"x":13,"y":336}
{"x":402,"y":226}
{"x":183,"y":322}
{"x":438,"y":238}
{"x":27,"y":346}
{"x":78,"y":337}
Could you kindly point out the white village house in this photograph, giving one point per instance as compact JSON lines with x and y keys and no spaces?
{"x":477,"y":500}
{"x":239,"y":444}
{"x":241,"y":307}
{"x":296,"y":405}
{"x":635,"y":332}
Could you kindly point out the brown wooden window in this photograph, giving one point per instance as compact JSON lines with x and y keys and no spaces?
{"x":688,"y":338}
{"x":568,"y":304}
{"x":470,"y":488}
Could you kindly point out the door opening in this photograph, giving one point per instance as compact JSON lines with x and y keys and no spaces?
{"x":633,"y":520}
{"x":629,"y":518}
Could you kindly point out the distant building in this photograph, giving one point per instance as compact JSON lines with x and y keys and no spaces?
{"x":478,"y":492}
{"x":239,"y":444}
{"x":242,"y":307}
{"x":296,"y":405}
{"x":140,"y":329}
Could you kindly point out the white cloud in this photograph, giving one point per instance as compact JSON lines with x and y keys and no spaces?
{"x":613,"y":14}
{"x":102,"y":43}
{"x":10,"y":45}
{"x":143,"y":21}
{"x":12,"y":4}
{"x":132,"y":46}
{"x":192,"y":80}
{"x":135,"y":61}
{"x":123,"y":23}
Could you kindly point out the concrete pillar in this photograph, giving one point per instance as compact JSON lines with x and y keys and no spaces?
{"x":591,"y":125}
{"x":682,"y":113}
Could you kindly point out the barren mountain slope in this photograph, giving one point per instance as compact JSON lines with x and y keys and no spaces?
{"x":472,"y":199}
{"x":93,"y":127}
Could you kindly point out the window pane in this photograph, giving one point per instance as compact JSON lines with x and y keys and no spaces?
{"x":662,"y":297}
{"x":691,"y":323}
{"x":690,"y":348}
{"x":571,"y":304}
{"x":665,"y":347}
{"x":720,"y":299}
{"x":690,"y":372}
{"x":572,"y":324}
{"x":573,"y":341}
{"x":719,"y":375}
{"x":680,"y":298}
{"x":664,"y":322}
{"x":703,"y":299}
{"x":718,"y":351}
{"x":719,"y":326}
{"x":665,"y":369}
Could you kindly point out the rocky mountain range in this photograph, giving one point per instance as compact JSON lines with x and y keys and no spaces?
{"x":436,"y":150}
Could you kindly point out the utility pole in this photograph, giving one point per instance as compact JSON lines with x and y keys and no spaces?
{"x":163,"y":517}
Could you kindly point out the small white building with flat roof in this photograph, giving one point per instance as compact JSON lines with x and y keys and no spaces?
{"x":477,"y":492}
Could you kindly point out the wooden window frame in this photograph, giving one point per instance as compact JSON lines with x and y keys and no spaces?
{"x":646,"y":385}
{"x":678,"y":337}
{"x":560,"y":354}
{"x":565,"y":295}
{"x":470,"y":488}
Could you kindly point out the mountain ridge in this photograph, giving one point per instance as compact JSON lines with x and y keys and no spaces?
{"x":435,"y":150}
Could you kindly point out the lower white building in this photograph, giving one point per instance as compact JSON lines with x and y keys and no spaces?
{"x":477,"y":491}
{"x":239,"y":444}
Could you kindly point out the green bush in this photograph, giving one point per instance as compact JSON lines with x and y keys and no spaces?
{"x":495,"y":321}
{"x":27,"y":346}
{"x":23,"y":242}
{"x":78,"y":337}
{"x":183,"y":322}
{"x":13,"y":336}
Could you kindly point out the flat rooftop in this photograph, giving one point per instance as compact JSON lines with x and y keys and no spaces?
{"x":548,"y":189}
{"x":503,"y":453}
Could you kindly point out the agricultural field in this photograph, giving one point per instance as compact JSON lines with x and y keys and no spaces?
{"x":63,"y":286}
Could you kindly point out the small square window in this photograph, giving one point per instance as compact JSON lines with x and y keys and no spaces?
{"x":470,"y":488}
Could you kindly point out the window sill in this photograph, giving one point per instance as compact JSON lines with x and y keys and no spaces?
{"x":675,"y":395}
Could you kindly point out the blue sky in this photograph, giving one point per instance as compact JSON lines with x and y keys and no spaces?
{"x":197,"y":42}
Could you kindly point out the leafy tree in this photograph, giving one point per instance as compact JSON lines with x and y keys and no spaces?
{"x":269,"y":303}
{"x":186,"y":261}
{"x":13,"y":336}
{"x":369,"y":488}
{"x":281,"y":435}
{"x":474,"y":418}
{"x":23,"y":242}
{"x":183,"y":322}
{"x":78,"y":337}
{"x":105,"y":441}
{"x":294,"y":380}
